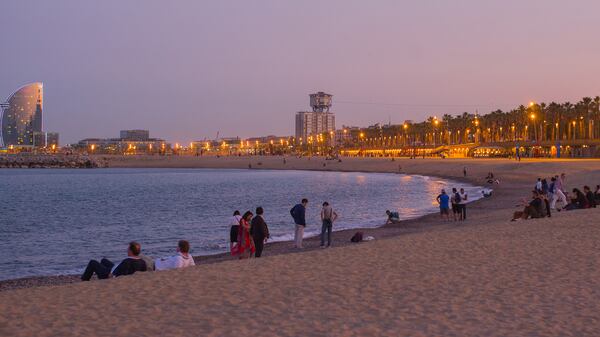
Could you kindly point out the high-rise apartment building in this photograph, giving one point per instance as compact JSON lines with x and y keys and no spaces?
{"x":319,"y":120}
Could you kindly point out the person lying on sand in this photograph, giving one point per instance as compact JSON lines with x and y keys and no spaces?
{"x":181,"y":260}
{"x":128,"y":266}
{"x":393,"y":217}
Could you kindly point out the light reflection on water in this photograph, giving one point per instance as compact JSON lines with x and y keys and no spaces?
{"x":54,"y":221}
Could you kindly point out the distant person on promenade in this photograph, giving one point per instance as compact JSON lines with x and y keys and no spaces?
{"x":234,"y":228}
{"x":259,"y":231}
{"x":328,"y":216}
{"x":463,"y":204}
{"x":104,"y":268}
{"x":444,"y":200}
{"x":245,"y":244}
{"x":181,"y":260}
{"x":298,"y":213}
{"x":392,"y":217}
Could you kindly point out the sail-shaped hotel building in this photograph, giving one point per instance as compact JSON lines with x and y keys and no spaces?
{"x":21,"y":118}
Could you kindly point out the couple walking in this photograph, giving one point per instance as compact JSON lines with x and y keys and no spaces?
{"x":248,"y":234}
{"x":328,"y":216}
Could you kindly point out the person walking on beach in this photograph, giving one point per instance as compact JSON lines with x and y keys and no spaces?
{"x":558,"y":193}
{"x":328,"y":216}
{"x":128,"y":266}
{"x":463,"y":204}
{"x":444,"y":200}
{"x":259,"y":231}
{"x":464,"y":172}
{"x":182,"y":259}
{"x":234,"y":228}
{"x":245,"y":244}
{"x":298,"y":213}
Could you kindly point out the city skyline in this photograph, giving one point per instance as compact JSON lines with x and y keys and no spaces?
{"x":245,"y":69}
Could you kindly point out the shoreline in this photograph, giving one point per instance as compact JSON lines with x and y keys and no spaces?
{"x":348,"y":164}
{"x":280,"y":247}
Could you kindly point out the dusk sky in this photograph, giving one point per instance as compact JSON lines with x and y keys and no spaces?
{"x":187,"y":69}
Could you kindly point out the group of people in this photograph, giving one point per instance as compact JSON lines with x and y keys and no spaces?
{"x":457,"y":201}
{"x":249,"y":233}
{"x":136,"y":261}
{"x":553,"y":196}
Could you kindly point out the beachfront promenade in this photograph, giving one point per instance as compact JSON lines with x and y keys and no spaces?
{"x":485,"y":276}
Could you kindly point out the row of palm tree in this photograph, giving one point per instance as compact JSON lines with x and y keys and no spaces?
{"x":537,"y":123}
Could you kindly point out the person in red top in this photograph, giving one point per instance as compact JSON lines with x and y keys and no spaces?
{"x":245,"y":241}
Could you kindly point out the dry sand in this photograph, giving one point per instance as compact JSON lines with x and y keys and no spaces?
{"x":486,"y":276}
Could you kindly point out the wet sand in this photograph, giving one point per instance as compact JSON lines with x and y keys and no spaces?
{"x":422,"y":277}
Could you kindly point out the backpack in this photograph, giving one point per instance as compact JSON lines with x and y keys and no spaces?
{"x":457,"y":198}
{"x":358,"y":237}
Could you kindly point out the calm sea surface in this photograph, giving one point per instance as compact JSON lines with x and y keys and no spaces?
{"x":53,"y":221}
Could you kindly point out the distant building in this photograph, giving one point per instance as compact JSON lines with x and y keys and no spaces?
{"x":22,"y":116}
{"x":129,"y":142}
{"x":52,"y":139}
{"x":317,"y":121}
{"x":135,"y":135}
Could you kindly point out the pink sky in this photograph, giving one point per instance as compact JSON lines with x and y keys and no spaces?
{"x":187,"y":69}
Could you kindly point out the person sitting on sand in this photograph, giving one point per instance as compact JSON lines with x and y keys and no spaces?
{"x":591,"y":199}
{"x":578,"y":201}
{"x":533,"y":209}
{"x":128,"y":266}
{"x":393,"y":217}
{"x":444,"y":200}
{"x":181,"y":260}
{"x":597,"y":194}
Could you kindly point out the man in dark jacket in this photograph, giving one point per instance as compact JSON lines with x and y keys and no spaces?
{"x":298,"y":213}
{"x":128,"y":266}
{"x":259,"y":231}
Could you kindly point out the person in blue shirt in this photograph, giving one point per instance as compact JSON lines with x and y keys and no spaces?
{"x":298,"y":213}
{"x":444,"y":200}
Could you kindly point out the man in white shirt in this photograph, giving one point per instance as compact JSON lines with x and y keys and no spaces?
{"x":181,"y":260}
{"x":463,"y":203}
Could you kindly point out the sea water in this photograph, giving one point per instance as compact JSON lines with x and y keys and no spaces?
{"x":53,"y":221}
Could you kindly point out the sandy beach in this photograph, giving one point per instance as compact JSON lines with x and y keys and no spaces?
{"x":485,"y":276}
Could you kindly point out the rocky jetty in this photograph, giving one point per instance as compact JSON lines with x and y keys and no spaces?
{"x":46,"y":161}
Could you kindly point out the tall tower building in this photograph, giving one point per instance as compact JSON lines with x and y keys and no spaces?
{"x":319,"y":120}
{"x":22,"y":116}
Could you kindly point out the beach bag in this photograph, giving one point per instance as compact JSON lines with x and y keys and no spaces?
{"x":358,"y":237}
